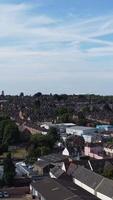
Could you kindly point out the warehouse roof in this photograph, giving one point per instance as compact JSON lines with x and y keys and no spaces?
{"x":87,"y":177}
{"x":51,"y":189}
{"x":82,"y":128}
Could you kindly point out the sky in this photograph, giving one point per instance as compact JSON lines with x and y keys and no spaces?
{"x":56,"y":46}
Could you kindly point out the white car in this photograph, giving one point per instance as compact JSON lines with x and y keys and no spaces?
{"x":5,"y":194}
{"x":1,"y":194}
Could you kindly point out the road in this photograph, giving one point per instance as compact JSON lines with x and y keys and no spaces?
{"x":17,"y":193}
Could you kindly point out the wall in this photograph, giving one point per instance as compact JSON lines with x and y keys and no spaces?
{"x":93,"y":152}
{"x":35,"y":193}
{"x":80,"y":132}
{"x":92,"y":138}
{"x":108,"y":150}
{"x":85,"y":187}
{"x":103,"y":197}
{"x":38,"y":169}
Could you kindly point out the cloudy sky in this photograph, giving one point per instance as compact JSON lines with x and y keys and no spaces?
{"x":56,"y":46}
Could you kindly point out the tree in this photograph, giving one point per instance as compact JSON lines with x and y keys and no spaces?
{"x":11,"y":134}
{"x":65,"y":118}
{"x":25,"y":136}
{"x":108,"y":170}
{"x":21,"y":94}
{"x":53,"y":135}
{"x":9,"y":170}
{"x":75,"y":142}
{"x":38,"y":94}
{"x":40,"y":145}
{"x":81,"y":119}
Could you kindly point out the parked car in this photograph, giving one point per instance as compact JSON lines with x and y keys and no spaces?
{"x":1,"y":194}
{"x":5,"y":194}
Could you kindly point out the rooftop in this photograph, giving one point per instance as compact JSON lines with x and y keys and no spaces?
{"x":82,"y":128}
{"x":52,"y":158}
{"x":57,"y":171}
{"x":86,"y":176}
{"x":51,"y":189}
{"x":42,"y":163}
{"x":68,"y":183}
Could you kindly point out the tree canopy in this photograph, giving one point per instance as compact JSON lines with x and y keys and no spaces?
{"x":40,"y":145}
{"x":9,"y":170}
{"x":9,"y":133}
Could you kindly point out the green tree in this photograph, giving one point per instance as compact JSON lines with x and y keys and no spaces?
{"x":53,"y":135}
{"x":9,"y":170}
{"x":40,"y":145}
{"x":108,"y":170}
{"x":65,"y":118}
{"x":11,"y":133}
{"x":81,"y":119}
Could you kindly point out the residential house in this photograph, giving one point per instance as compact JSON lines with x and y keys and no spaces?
{"x":108,"y":149}
{"x":42,"y":167}
{"x":54,"y":158}
{"x":94,"y":150}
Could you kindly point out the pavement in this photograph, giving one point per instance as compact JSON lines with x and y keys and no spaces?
{"x":26,"y":197}
{"x":17,"y":193}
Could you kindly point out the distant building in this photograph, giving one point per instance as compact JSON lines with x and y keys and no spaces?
{"x":108,"y":148}
{"x":92,"y":138}
{"x":80,"y":130}
{"x":103,"y":128}
{"x":61,"y":127}
{"x":94,"y":151}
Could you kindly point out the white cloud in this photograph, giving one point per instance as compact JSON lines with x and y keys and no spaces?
{"x":26,"y":29}
{"x":46,"y":45}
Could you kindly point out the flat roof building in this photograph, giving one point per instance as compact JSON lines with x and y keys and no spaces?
{"x":80,"y":130}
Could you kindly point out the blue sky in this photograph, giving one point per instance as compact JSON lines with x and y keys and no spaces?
{"x":56,"y":46}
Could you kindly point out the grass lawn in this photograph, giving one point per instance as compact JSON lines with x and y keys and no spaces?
{"x":19,"y":153}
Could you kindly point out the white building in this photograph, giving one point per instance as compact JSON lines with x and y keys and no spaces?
{"x":109,"y":150}
{"x":92,"y":138}
{"x":80,"y":130}
{"x":47,"y":125}
{"x":61,"y":126}
{"x":94,"y":183}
